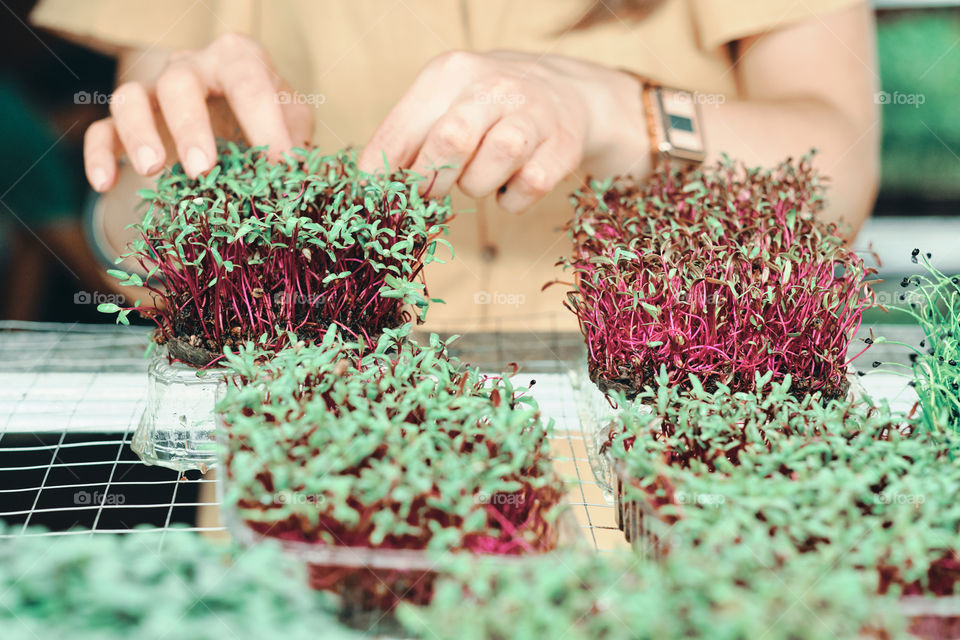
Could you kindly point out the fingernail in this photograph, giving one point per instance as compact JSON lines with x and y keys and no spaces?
{"x":195,"y":162}
{"x":98,"y":178}
{"x":146,"y":158}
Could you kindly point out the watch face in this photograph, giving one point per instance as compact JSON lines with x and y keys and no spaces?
{"x":681,"y":121}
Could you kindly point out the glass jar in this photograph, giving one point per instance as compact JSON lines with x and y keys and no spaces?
{"x":178,"y":426}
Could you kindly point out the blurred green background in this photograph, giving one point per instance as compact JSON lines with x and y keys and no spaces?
{"x":919,"y":55}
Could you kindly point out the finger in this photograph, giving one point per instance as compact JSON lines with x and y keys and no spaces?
{"x":551,"y":162}
{"x":506,"y":147}
{"x":246,"y":78}
{"x":183,"y":101}
{"x":399,"y":136}
{"x":100,"y":149}
{"x":403,"y":132}
{"x":450,"y":144}
{"x":133,"y":118}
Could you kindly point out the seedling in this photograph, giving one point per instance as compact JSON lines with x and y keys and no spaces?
{"x":393,"y":447}
{"x":855,"y":481}
{"x":589,"y":595}
{"x":113,"y":587}
{"x":722,"y":273}
{"x":933,"y":300}
{"x":254,"y":249}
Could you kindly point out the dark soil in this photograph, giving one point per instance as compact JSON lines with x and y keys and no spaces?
{"x":190,"y":351}
{"x":190,"y":345}
{"x":631,"y":382}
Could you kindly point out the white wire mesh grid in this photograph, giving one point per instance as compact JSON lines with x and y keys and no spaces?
{"x":71,"y":396}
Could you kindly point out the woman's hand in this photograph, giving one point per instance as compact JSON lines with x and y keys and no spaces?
{"x":234,"y":67}
{"x":512,"y":123}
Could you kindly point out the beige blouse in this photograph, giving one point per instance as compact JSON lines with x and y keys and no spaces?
{"x":361,"y":55}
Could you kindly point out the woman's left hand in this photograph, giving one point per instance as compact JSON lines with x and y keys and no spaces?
{"x":512,"y":123}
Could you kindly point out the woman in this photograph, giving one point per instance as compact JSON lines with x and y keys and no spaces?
{"x":509,"y":131}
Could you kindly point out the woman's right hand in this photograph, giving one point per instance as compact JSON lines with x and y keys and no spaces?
{"x":233,"y":67}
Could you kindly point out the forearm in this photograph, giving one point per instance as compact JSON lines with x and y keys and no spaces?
{"x":807,"y":85}
{"x":762,"y":133}
{"x":757,"y":132}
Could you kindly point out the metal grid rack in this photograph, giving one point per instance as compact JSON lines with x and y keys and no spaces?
{"x":71,"y":397}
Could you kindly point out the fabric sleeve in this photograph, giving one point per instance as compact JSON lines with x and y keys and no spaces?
{"x":722,"y":21}
{"x":113,"y":25}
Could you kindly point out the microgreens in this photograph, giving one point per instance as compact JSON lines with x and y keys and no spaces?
{"x":934,"y":302}
{"x":856,"y":481}
{"x":722,"y":273}
{"x":256,"y":248}
{"x":728,"y":596}
{"x":112,"y":587}
{"x":394,"y":447}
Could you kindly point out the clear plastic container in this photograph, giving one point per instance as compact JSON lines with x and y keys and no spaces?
{"x":932,"y":618}
{"x":596,"y":414}
{"x":178,"y":427}
{"x":370,"y":582}
{"x":636,"y":518}
{"x":639,"y":524}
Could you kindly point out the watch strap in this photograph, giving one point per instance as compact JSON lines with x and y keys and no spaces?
{"x":663,"y":148}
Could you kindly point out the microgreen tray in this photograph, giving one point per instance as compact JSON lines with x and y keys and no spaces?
{"x":654,"y":532}
{"x":930,"y":617}
{"x":370,"y":579}
{"x":371,"y":582}
{"x":594,"y":412}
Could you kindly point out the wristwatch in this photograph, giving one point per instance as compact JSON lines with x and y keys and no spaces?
{"x":673,"y":123}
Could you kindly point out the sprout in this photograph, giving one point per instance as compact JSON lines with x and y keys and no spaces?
{"x":935,"y":306}
{"x":721,"y":273}
{"x":116,"y":587}
{"x":584,"y":596}
{"x":256,"y":249}
{"x":397,"y":446}
{"x":856,"y":482}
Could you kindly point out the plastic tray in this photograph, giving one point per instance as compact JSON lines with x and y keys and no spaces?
{"x":930,"y":618}
{"x":370,"y":581}
{"x":595,"y":414}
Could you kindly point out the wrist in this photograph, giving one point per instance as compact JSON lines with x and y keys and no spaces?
{"x":618,"y":142}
